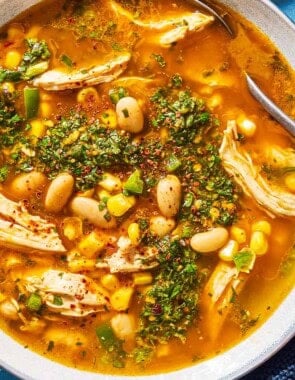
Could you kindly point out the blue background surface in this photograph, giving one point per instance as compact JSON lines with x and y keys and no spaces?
{"x":282,"y":365}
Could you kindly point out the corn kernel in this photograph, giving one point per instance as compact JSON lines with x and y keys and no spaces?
{"x":45,"y":97}
{"x":8,"y":87}
{"x":163,"y":135}
{"x":163,"y":350}
{"x":12,"y":59}
{"x":198,"y":204}
{"x":91,"y":245}
{"x":86,"y":193}
{"x":145,"y":289}
{"x":132,"y":200}
{"x":38,"y":129}
{"x":215,"y":101}
{"x":109,"y":118}
{"x":110,"y":282}
{"x":290,"y":182}
{"x":15,"y":32}
{"x":144,"y":278}
{"x":119,"y":204}
{"x":72,"y":228}
{"x":45,"y":109}
{"x":103,"y":194}
{"x":246,"y":126}
{"x":13,"y":261}
{"x":87,"y":95}
{"x":214,"y":213}
{"x":110,"y":183}
{"x":33,"y":31}
{"x":263,"y":226}
{"x":238,"y":234}
{"x":226,"y":253}
{"x":48,"y":123}
{"x":259,"y":243}
{"x":81,"y":264}
{"x":134,"y":233}
{"x":197,"y":167}
{"x":205,"y":90}
{"x":72,"y":138}
{"x":121,"y":298}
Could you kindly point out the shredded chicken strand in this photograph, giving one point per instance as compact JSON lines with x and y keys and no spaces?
{"x":273,"y":200}
{"x":20,"y":228}
{"x":224,"y":283}
{"x":172,"y":29}
{"x":79,"y":294}
{"x":56,"y":80}
{"x":128,"y":259}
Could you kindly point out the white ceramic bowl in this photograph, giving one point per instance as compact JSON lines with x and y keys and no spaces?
{"x":251,"y":352}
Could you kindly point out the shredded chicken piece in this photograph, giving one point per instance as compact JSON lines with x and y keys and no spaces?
{"x":20,"y":228}
{"x":56,"y":80}
{"x":128,"y":258}
{"x":224,"y":283}
{"x":79,"y":294}
{"x":270,"y":198}
{"x":170,"y":30}
{"x":280,"y":157}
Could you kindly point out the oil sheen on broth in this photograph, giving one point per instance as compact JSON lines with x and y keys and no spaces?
{"x":147,"y":201}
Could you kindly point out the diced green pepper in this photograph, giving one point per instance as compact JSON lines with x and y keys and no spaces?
{"x":188,"y":200}
{"x":106,"y":336}
{"x":173,"y":164}
{"x":134,"y":183}
{"x":34,"y":302}
{"x":116,"y":94}
{"x":31,"y":98}
{"x":112,"y":345}
{"x":66,"y":60}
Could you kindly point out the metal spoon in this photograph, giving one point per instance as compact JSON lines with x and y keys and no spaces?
{"x":270,"y":106}
{"x":214,"y":13}
{"x":257,"y":93}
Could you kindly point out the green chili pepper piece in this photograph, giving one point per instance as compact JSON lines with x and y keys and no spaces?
{"x":31,"y":97}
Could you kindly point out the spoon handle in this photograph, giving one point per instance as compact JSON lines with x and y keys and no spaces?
{"x":270,"y":106}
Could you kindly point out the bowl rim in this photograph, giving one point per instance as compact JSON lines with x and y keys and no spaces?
{"x":252,"y":351}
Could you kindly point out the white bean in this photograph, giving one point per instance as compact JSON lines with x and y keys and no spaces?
{"x":59,"y":192}
{"x":123,"y":326}
{"x":129,"y":114}
{"x":87,"y":208}
{"x":209,"y":241}
{"x":161,"y":226}
{"x":24,"y":185}
{"x":169,"y":195}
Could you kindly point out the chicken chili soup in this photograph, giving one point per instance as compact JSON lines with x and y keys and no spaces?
{"x":147,"y":201}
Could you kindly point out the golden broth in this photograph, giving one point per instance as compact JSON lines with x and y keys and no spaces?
{"x":211,"y":65}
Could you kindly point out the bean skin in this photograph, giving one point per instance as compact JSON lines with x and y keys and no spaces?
{"x":209,"y":241}
{"x":129,"y":115}
{"x":87,"y":208}
{"x":169,"y":195}
{"x":59,"y":192}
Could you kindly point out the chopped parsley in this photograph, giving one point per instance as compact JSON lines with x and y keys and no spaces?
{"x":159,"y":59}
{"x":34,"y":62}
{"x":170,"y":306}
{"x":244,"y":260}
